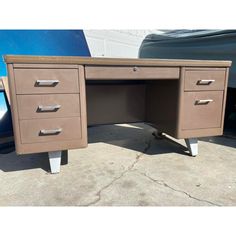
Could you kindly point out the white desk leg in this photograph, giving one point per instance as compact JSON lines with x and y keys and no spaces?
{"x":192,"y":146}
{"x":55,"y":161}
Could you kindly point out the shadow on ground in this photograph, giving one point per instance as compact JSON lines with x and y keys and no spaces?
{"x":228,"y":139}
{"x":10,"y":161}
{"x":130,"y":136}
{"x":134,"y":137}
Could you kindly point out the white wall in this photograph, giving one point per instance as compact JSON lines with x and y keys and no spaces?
{"x":115,"y":43}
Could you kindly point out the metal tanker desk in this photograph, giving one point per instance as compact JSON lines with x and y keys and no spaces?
{"x":54,"y":99}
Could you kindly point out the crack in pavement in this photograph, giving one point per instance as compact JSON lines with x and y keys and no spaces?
{"x":148,"y":143}
{"x":161,"y":182}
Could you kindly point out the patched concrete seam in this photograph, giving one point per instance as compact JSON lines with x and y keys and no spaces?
{"x":161,"y":182}
{"x":120,"y":176}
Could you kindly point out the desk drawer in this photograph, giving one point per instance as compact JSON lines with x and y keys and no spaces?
{"x":50,"y":130}
{"x":131,"y":72}
{"x":202,"y":109}
{"x":204,"y":80}
{"x":48,"y":106}
{"x":36,"y":81}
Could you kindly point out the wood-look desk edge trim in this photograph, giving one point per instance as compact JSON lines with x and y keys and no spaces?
{"x":113,"y":61}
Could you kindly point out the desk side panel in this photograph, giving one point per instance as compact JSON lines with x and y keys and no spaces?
{"x":162,"y":105}
{"x":14,"y":108}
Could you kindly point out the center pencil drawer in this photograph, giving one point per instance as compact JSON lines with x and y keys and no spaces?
{"x":46,"y":80}
{"x":50,"y":130}
{"x":48,"y":106}
{"x":131,"y":72}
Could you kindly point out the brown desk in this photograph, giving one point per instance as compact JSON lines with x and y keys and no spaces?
{"x":54,"y":99}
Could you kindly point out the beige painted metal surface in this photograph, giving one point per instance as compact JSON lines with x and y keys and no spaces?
{"x":162,"y":92}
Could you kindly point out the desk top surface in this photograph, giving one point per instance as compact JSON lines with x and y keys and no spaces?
{"x":113,"y":61}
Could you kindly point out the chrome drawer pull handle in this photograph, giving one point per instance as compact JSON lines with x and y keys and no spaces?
{"x":205,"y":81}
{"x":49,"y":108}
{"x":47,"y":82}
{"x":135,"y":68}
{"x":50,"y":131}
{"x":203,"y":101}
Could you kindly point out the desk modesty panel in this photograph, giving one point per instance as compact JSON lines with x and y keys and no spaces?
{"x":54,"y":99}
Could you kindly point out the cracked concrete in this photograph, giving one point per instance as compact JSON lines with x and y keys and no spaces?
{"x":124,"y":165}
{"x":138,"y":156}
{"x":161,"y":182}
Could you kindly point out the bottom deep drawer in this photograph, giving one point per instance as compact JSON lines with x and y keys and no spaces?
{"x":50,"y":130}
{"x":202,"y":110}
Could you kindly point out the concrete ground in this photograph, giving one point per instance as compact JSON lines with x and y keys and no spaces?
{"x":124,"y":165}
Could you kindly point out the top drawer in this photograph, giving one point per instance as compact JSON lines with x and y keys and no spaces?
{"x":131,"y":72}
{"x":209,"y":79}
{"x":36,"y":81}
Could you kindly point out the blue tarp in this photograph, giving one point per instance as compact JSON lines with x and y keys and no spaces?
{"x":36,"y":42}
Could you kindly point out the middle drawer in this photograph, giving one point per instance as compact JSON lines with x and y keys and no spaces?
{"x":48,"y":106}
